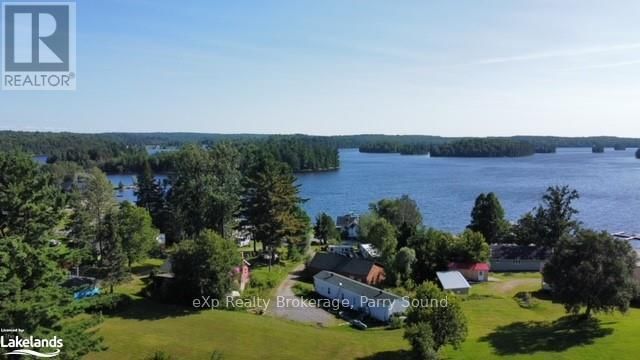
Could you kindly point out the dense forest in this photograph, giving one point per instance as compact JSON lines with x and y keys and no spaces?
{"x":483,"y":148}
{"x":121,"y":153}
{"x":127,"y":152}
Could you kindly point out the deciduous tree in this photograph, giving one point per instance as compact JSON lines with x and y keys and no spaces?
{"x":203,"y":266}
{"x":435,"y":323}
{"x":592,"y":270}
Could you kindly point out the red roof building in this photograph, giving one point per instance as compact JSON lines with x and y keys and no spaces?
{"x":472,"y":271}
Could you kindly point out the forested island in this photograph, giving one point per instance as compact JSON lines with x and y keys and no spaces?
{"x":127,"y":153}
{"x":597,"y":149}
{"x":638,"y":154}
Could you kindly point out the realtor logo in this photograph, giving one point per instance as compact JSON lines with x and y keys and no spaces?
{"x":39,"y":46}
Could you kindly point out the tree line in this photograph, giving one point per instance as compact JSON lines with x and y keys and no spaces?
{"x":126,"y":153}
{"x":61,"y":219}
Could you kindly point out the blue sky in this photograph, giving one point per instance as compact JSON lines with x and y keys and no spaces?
{"x":453,"y":68}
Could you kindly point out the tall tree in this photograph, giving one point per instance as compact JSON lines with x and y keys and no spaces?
{"x":205,"y":189}
{"x":325,"y":228}
{"x":487,"y":217}
{"x":551,"y":220}
{"x":92,"y":202}
{"x":402,"y":210}
{"x":112,"y":264}
{"x":271,"y":203}
{"x":432,"y":249}
{"x":382,"y":235}
{"x":203,"y":266}
{"x":592,"y":270}
{"x":470,"y":247}
{"x":135,"y":231}
{"x":428,"y":328}
{"x":403,"y":266}
{"x":30,"y":202}
{"x":31,"y":294}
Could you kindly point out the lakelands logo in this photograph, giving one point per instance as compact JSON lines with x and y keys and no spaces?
{"x":39,"y":46}
{"x":18,"y":345}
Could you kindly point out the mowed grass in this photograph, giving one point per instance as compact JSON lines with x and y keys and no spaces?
{"x":148,"y":327}
{"x":499,"y":328}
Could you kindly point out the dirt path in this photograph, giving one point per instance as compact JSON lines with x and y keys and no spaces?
{"x":292,"y":310}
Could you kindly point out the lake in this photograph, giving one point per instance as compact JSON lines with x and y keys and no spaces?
{"x":445,"y":188}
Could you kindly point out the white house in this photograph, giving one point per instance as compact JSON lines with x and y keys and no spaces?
{"x":348,"y":225}
{"x":376,"y":303}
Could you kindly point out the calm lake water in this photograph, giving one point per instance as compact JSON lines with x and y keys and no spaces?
{"x":445,"y":188}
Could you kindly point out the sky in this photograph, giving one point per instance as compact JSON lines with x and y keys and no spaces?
{"x":450,"y":68}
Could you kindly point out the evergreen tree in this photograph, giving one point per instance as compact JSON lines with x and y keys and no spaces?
{"x":271,"y":203}
{"x":205,"y":189}
{"x":30,"y":202}
{"x":325,"y":228}
{"x":31,"y":294}
{"x":112,"y":264}
{"x":487,"y":217}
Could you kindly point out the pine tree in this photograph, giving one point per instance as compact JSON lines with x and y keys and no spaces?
{"x":487,"y":217}
{"x":271,"y":203}
{"x":31,"y":294}
{"x":112,"y":265}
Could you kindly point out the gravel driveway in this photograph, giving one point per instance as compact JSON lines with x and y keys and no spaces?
{"x":305,"y":314}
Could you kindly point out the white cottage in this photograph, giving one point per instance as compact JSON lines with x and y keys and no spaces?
{"x":376,"y":303}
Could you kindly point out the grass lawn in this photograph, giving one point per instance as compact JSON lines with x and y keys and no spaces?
{"x":499,"y":327}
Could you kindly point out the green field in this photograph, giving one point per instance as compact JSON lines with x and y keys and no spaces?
{"x":498,"y":328}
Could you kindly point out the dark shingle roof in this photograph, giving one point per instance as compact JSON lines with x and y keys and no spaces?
{"x":522,"y":252}
{"x":355,"y":286}
{"x":341,"y":264}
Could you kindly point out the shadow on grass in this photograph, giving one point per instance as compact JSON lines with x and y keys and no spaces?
{"x":388,"y":355}
{"x":147,"y":309}
{"x":533,"y":336}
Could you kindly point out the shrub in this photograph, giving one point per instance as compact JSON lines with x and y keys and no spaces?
{"x":159,"y":355}
{"x":106,"y":303}
{"x":396,"y":322}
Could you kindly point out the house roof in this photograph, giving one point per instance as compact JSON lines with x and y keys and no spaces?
{"x":342,"y":264}
{"x":452,"y":280}
{"x":347,"y":220}
{"x":519,"y":252}
{"x":469,"y":266}
{"x":355,"y":286}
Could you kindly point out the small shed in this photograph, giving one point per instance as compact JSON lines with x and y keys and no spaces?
{"x":472,"y":271}
{"x":453,"y":281}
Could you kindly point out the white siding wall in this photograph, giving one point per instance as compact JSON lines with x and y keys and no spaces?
{"x":382,"y":312}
